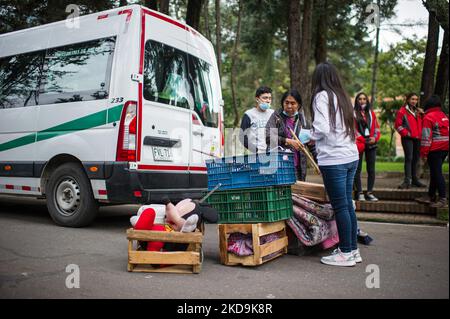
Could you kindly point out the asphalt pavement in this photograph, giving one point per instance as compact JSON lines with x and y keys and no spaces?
{"x":40,"y":260}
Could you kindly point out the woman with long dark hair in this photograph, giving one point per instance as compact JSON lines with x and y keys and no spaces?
{"x":368,"y":133}
{"x":408,"y":124}
{"x":278,"y":129}
{"x":333,"y":130}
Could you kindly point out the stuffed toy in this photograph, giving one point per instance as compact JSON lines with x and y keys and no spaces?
{"x":149,"y":219}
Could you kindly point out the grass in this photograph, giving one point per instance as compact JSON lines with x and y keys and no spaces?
{"x":395,"y":167}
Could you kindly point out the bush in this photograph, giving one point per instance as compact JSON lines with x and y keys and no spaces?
{"x":383,"y":150}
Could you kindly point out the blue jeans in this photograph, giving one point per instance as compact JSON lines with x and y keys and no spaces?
{"x":338,"y":180}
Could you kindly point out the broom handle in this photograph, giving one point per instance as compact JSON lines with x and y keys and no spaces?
{"x":306,"y":152}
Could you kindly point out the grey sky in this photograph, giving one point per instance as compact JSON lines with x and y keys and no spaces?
{"x":407,"y":11}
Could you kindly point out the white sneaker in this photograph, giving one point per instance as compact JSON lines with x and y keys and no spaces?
{"x":338,"y":258}
{"x":357,"y":256}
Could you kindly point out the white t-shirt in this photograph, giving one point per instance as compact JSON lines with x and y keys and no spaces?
{"x":333,"y":146}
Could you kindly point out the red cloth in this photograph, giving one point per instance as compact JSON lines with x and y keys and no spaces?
{"x":408,"y":123}
{"x":434,"y":132}
{"x":374,"y":131}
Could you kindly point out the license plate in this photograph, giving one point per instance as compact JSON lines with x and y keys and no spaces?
{"x":162,"y":154}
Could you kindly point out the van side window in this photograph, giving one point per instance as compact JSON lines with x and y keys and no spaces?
{"x":77,"y":72}
{"x":19,"y":79}
{"x":166,"y":75}
{"x":204,"y":106}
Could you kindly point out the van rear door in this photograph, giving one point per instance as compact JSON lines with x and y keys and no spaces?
{"x":164,"y":142}
{"x":203,"y":71}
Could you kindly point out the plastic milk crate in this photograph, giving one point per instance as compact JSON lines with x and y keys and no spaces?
{"x":250,"y":171}
{"x":253,"y":205}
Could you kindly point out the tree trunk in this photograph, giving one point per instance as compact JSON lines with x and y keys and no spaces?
{"x":373,"y":92}
{"x":440,"y":9}
{"x":429,"y":64}
{"x":218,"y":37}
{"x":305,"y":53}
{"x":164,"y":6}
{"x":206,"y":20}
{"x":294,"y":41}
{"x":233,"y":64}
{"x":442,"y":72}
{"x":194,"y":10}
{"x":151,"y":4}
{"x":321,"y":49}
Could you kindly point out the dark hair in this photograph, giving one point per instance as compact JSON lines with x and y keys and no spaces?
{"x":410,"y":95}
{"x":432,"y":101}
{"x":262,"y":90}
{"x":326,"y":78}
{"x":294,"y":93}
{"x":359,"y":118}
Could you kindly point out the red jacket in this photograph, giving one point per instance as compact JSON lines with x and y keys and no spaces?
{"x":374,"y":131}
{"x":434,"y":132}
{"x":408,"y":123}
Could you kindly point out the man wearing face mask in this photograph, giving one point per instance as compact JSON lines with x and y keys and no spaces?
{"x":252,"y":133}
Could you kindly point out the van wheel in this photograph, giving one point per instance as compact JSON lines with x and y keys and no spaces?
{"x":69,"y":197}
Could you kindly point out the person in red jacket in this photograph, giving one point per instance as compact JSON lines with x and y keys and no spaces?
{"x":434,"y":148}
{"x":408,"y":124}
{"x":367,"y":136}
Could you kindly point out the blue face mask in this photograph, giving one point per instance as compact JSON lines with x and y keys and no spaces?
{"x":264,"y":106}
{"x":295,"y":114}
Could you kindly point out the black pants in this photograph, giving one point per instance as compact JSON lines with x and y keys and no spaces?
{"x":371,"y":155}
{"x":411,"y":148}
{"x":435,"y":160}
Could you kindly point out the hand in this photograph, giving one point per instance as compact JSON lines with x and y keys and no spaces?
{"x":371,"y":140}
{"x":293,"y":143}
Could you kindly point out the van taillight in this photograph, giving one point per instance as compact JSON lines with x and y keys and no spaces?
{"x":126,"y":144}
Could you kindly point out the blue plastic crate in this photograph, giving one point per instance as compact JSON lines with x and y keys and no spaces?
{"x":250,"y":171}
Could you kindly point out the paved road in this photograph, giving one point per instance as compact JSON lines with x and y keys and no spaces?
{"x":413,"y":262}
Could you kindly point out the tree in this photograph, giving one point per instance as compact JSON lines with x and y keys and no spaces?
{"x":305,"y":53}
{"x":194,"y":10}
{"x":429,"y":65}
{"x":218,"y":36}
{"x":320,"y":52}
{"x":294,"y":43}
{"x":440,"y":9}
{"x":441,"y":87}
{"x":164,"y":6}
{"x":123,"y":3}
{"x":151,"y":4}
{"x":234,"y":64}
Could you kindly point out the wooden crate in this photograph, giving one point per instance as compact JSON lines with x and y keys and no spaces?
{"x":312,"y":191}
{"x":259,"y":251}
{"x":189,"y":261}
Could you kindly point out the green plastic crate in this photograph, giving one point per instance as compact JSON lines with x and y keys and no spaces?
{"x":253,"y":205}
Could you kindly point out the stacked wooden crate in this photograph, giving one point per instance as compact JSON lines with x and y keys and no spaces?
{"x":254,"y":198}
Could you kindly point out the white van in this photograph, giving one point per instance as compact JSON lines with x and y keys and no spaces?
{"x":125,"y":108}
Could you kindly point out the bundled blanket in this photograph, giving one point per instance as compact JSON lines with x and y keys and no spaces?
{"x":313,"y":223}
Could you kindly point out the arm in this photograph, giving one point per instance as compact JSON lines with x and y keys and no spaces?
{"x":243,"y":137}
{"x":427,"y":137}
{"x":321,"y":123}
{"x":399,"y":123}
{"x":273,"y":138}
{"x":377,"y":133}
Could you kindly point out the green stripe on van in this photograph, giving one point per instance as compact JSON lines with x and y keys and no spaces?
{"x":83,"y":123}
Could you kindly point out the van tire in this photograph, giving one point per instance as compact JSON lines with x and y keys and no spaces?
{"x":70,"y":201}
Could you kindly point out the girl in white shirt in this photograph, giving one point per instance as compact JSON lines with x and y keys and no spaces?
{"x":333,"y":131}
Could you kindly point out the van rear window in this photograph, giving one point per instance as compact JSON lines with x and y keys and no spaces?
{"x":174,"y":77}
